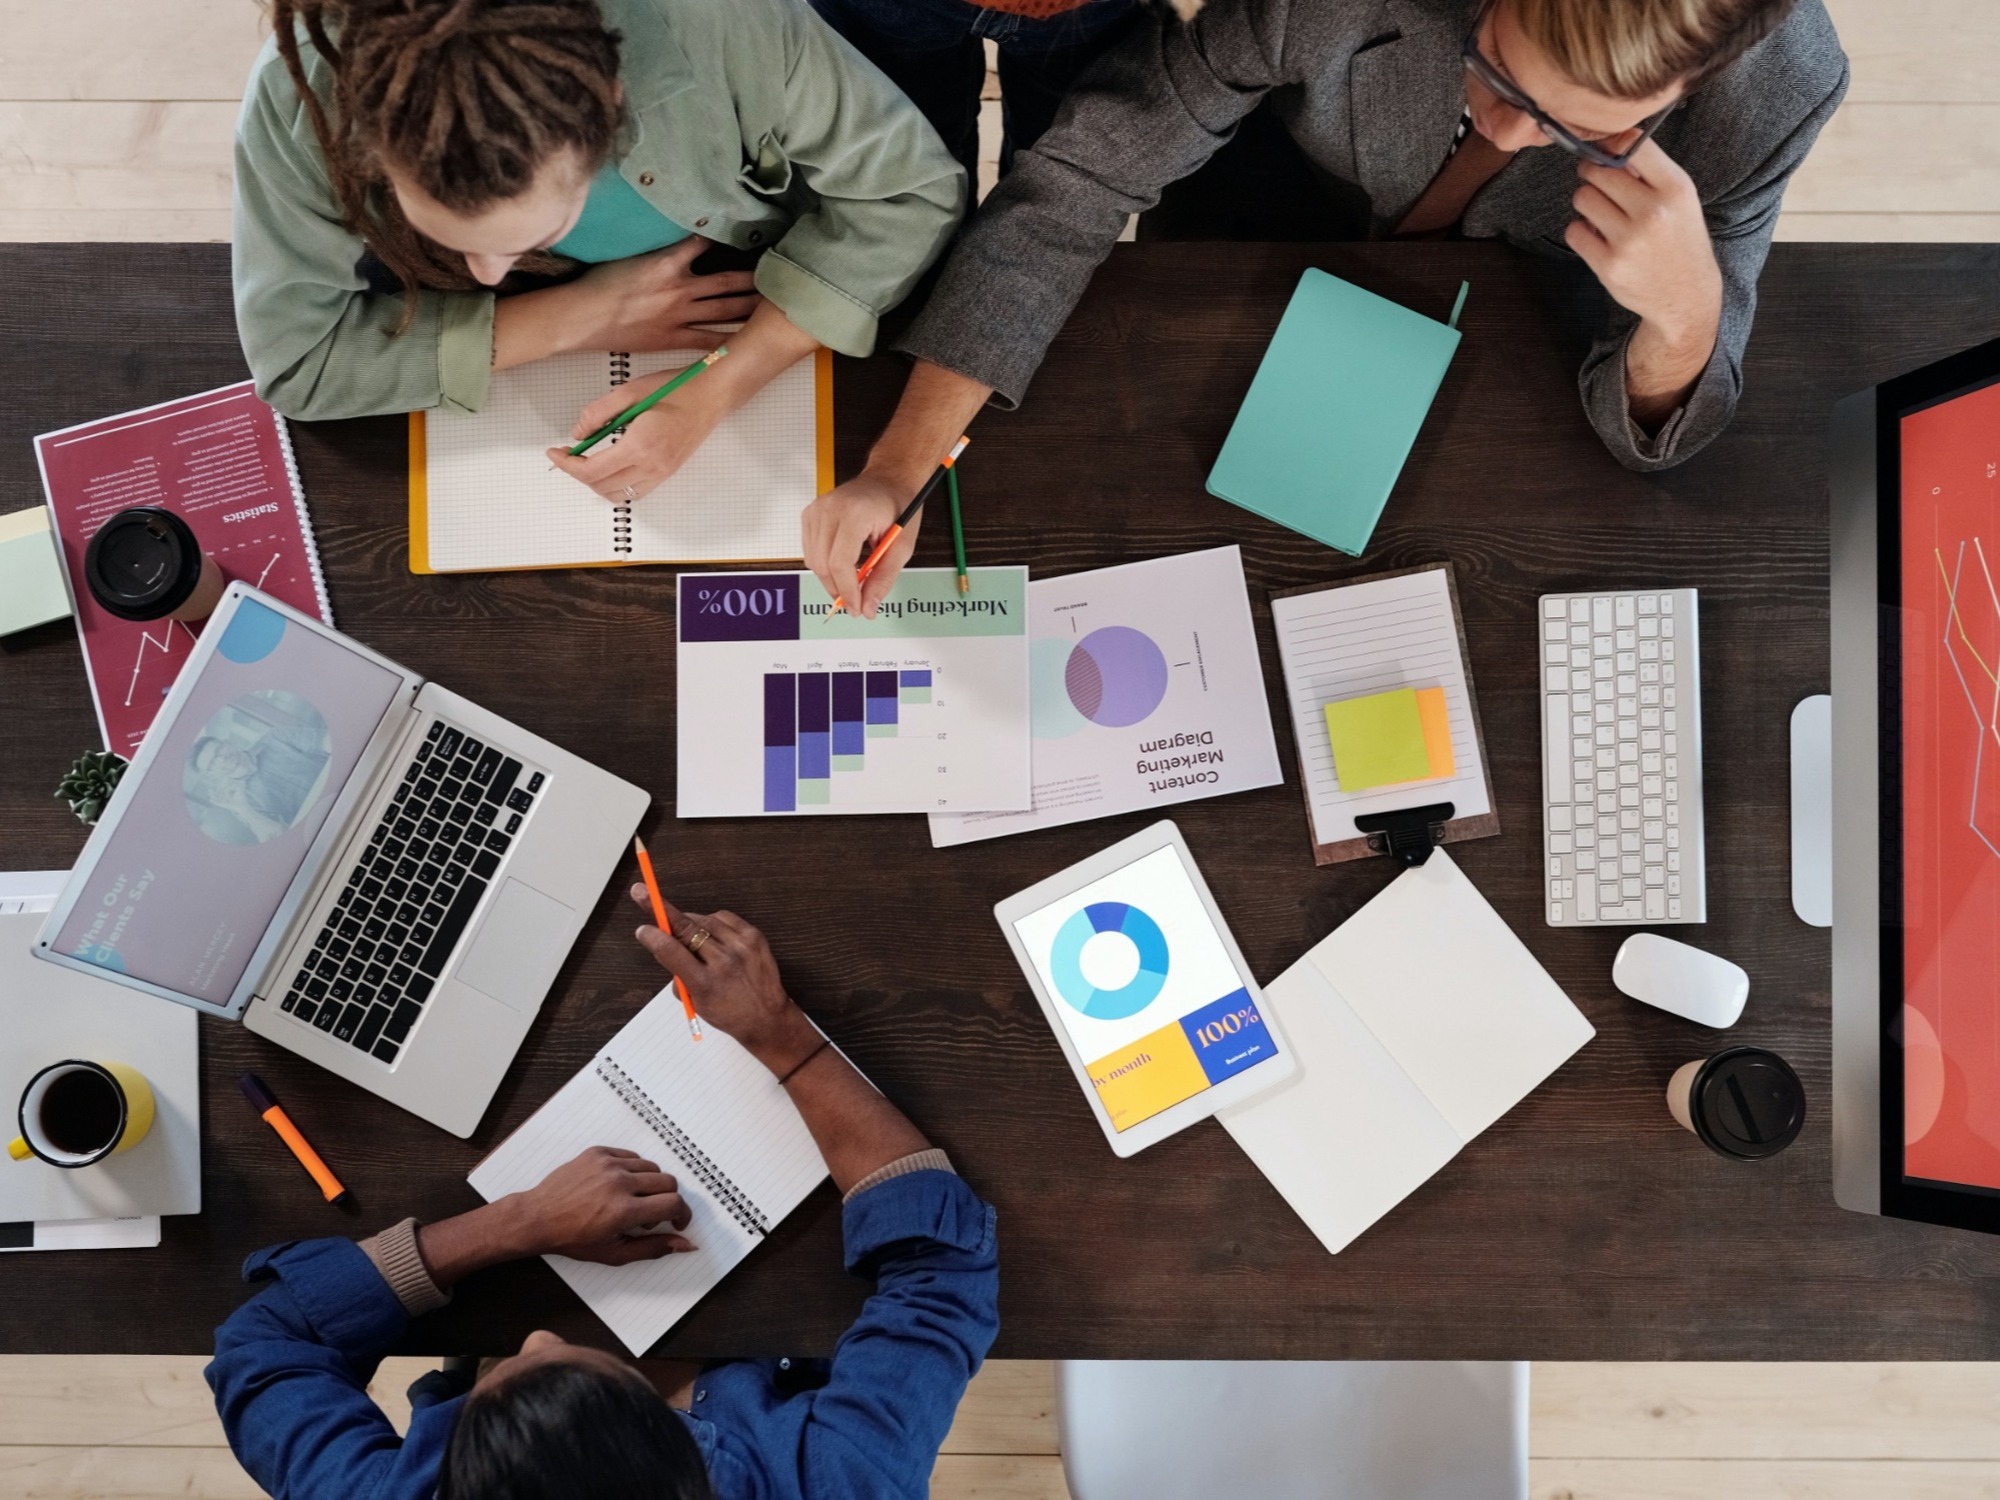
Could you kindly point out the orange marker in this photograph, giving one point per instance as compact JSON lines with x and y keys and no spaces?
{"x":889,"y":536}
{"x":660,"y":921}
{"x":274,"y":1116}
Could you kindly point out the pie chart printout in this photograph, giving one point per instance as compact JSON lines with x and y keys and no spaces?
{"x":1116,"y":676}
{"x":1142,"y":940}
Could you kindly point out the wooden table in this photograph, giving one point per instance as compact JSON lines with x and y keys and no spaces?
{"x":1585,"y":1225}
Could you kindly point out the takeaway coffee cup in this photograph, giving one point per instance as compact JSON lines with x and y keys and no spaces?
{"x":145,"y":564}
{"x":75,"y":1113}
{"x":1744,"y":1103}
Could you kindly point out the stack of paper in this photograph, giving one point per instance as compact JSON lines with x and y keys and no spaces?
{"x":48,"y":1013}
{"x":31,"y":581}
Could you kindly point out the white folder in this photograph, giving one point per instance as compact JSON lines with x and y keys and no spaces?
{"x":1417,"y":1023}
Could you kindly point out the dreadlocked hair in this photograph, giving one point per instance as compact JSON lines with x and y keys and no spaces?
{"x":468,"y":98}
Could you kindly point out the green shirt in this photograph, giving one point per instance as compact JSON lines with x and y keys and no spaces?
{"x":749,"y":122}
{"x":616,"y":222}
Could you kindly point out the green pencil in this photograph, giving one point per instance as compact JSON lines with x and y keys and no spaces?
{"x":625,"y":417}
{"x":957,"y":530}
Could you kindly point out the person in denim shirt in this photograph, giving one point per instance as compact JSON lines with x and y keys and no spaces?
{"x":292,"y":1365}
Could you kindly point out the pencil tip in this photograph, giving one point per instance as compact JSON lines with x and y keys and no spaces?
{"x":638,"y":844}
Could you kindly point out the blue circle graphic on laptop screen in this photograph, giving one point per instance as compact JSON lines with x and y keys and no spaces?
{"x":257,"y":768}
{"x":1109,"y":936}
{"x":252,"y":634}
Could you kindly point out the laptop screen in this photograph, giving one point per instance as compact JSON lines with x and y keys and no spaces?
{"x":1950,"y":784}
{"x":243,"y":777}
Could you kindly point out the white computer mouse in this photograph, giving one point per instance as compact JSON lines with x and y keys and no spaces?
{"x":1707,"y":990}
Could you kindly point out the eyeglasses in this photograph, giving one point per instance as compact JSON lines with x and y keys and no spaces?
{"x":1482,"y":68}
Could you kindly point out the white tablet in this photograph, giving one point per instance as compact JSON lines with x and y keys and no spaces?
{"x":1149,"y":997}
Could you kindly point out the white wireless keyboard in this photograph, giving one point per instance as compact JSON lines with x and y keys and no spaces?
{"x":1621,"y":758}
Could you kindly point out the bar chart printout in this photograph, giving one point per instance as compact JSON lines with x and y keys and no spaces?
{"x":787,"y":708}
{"x":806,"y":741}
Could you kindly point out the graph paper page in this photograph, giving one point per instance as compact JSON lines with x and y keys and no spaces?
{"x":494,"y":502}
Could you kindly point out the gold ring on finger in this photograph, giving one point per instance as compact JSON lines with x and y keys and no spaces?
{"x":696,"y":937}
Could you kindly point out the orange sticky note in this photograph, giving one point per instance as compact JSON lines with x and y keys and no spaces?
{"x":1437,"y":730}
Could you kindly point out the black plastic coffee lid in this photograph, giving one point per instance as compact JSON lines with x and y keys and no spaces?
{"x":143,"y":563}
{"x":1747,"y":1103}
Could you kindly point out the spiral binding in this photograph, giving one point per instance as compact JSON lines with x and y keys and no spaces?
{"x":305,"y":517}
{"x":621,"y":513}
{"x":678,"y":1141}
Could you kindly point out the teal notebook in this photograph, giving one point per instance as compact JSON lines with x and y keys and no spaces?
{"x":1333,"y":411}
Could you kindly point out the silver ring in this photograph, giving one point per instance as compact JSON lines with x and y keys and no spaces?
{"x":628,"y":493}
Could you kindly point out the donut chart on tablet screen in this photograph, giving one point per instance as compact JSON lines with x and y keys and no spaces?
{"x":1147,"y":941}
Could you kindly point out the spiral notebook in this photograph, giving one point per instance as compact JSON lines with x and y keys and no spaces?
{"x":483,"y":497}
{"x":707,"y":1112}
{"x":222,"y":461}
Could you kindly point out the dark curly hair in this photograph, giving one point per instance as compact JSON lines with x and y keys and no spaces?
{"x":561,"y":1431}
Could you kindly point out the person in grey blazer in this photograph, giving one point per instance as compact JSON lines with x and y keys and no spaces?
{"x":1678,"y":124}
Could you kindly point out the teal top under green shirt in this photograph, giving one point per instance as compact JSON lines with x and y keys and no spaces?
{"x":749,"y":123}
{"x":616,"y":222}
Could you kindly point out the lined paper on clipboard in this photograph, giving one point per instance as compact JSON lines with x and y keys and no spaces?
{"x":1347,"y":640}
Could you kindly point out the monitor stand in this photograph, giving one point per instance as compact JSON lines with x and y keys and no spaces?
{"x":1812,"y":810}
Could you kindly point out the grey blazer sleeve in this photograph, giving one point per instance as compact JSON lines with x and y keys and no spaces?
{"x":1739,"y":226}
{"x":1151,"y":111}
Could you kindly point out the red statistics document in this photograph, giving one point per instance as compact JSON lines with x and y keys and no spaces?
{"x":222,"y":461}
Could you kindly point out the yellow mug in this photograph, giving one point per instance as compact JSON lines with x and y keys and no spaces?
{"x":75,"y":1113}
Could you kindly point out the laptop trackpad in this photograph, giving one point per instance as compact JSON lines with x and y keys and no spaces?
{"x":515,"y":955}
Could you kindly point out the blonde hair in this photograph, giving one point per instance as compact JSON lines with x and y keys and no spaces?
{"x":1634,"y":49}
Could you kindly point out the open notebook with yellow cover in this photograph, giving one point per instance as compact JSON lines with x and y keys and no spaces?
{"x":483,"y":497}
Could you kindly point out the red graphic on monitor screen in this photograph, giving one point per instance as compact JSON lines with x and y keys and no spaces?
{"x":1951,"y":790}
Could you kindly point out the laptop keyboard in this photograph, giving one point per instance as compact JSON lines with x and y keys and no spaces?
{"x":412,"y":891}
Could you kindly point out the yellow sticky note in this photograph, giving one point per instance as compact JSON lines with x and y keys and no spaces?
{"x":1437,"y":730}
{"x":1378,"y":740}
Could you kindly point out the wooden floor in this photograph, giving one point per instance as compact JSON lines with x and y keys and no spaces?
{"x":92,"y":1427}
{"x":115,"y":123}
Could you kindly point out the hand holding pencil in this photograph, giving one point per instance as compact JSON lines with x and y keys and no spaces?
{"x":656,"y":442}
{"x":731,"y":975}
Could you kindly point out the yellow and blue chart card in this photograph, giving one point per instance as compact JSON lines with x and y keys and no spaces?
{"x":786,"y":707}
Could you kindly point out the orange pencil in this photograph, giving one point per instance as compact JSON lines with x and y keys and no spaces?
{"x":274,"y":1115}
{"x":889,"y":536}
{"x":660,"y":921}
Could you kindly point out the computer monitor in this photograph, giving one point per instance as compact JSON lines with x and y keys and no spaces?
{"x":1915,"y":554}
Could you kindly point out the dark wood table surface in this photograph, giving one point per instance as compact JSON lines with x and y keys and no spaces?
{"x":1584,"y":1225}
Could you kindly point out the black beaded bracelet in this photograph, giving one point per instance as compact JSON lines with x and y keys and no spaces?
{"x":824,"y":1043}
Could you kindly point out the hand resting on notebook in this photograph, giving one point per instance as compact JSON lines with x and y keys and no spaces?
{"x":658,"y":442}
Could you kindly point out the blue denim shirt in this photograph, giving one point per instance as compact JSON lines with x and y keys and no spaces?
{"x":292,"y":1366}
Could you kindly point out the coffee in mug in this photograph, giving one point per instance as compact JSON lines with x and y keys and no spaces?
{"x":75,"y":1113}
{"x":1744,"y":1103}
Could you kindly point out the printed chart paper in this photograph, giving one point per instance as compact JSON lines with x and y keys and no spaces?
{"x":221,"y":461}
{"x":787,"y":707}
{"x":1147,"y":691}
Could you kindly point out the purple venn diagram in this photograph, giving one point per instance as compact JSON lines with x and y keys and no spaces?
{"x":1115,"y":676}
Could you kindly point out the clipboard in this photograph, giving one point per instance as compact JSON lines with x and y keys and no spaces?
{"x":1407,"y":634}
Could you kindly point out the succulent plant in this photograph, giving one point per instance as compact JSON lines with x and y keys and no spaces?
{"x":89,"y":782}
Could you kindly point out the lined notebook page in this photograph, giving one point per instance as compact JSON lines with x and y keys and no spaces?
{"x":724,"y":1102}
{"x":493,"y":502}
{"x":1359,"y":638}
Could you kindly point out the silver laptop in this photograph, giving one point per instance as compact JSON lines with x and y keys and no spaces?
{"x":361,"y":865}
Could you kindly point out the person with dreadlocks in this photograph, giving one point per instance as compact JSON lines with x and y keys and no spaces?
{"x":417,"y":182}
